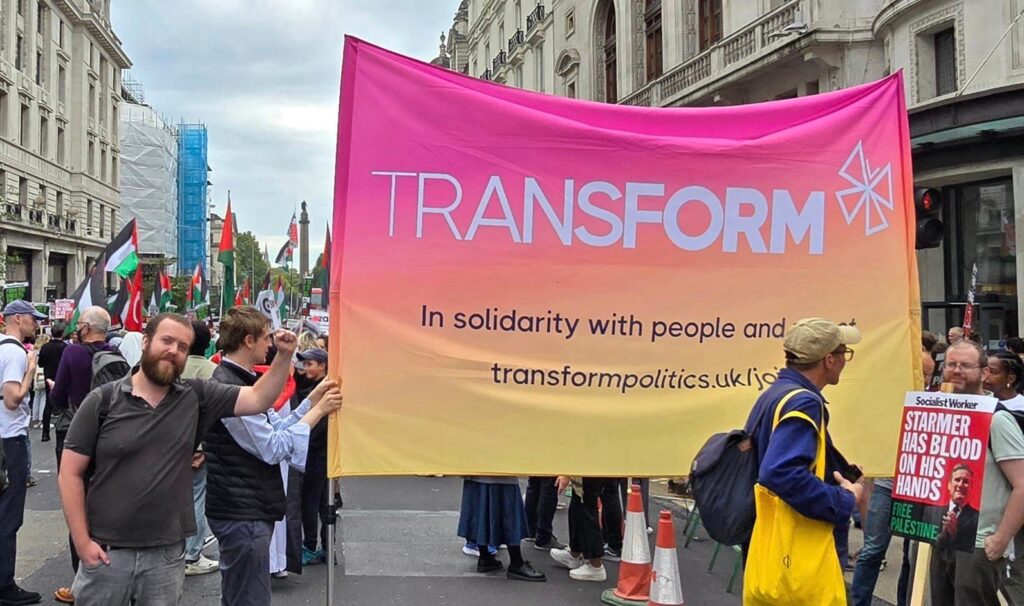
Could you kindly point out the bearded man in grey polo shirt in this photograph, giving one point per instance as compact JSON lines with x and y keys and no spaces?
{"x":140,"y":433}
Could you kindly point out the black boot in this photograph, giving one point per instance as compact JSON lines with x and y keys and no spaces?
{"x":487,"y":562}
{"x":526,"y":572}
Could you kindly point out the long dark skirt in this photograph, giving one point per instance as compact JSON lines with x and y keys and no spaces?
{"x":492,"y":514}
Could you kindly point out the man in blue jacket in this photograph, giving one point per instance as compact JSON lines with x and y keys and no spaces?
{"x":817,"y":351}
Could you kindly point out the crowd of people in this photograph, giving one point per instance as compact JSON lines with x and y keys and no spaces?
{"x":167,"y":441}
{"x":170,"y":440}
{"x":976,"y":570}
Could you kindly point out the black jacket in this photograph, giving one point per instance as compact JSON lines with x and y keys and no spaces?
{"x":239,"y":486}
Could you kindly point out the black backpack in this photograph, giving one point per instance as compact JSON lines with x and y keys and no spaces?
{"x":1017,"y":415}
{"x":722,"y":477}
{"x":108,"y":366}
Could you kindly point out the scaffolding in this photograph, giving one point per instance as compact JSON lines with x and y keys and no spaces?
{"x":149,"y":179}
{"x":192,"y":201}
{"x":131,"y":90}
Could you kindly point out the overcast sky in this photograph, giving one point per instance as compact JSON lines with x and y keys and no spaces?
{"x":264,"y":76}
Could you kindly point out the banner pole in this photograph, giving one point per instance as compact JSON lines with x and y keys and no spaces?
{"x":924,"y":556}
{"x":332,"y":516}
{"x":924,"y":551}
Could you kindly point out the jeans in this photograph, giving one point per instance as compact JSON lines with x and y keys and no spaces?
{"x":28,"y":454}
{"x":876,"y":541}
{"x":153,"y":576}
{"x":244,"y":561}
{"x":541,"y":503}
{"x":194,"y":544}
{"x":12,"y":505}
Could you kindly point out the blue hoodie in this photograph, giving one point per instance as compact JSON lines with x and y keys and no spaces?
{"x":786,"y":455}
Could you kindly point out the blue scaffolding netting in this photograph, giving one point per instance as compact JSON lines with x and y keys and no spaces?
{"x":192,"y":211}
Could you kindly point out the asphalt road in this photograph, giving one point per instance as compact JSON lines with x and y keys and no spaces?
{"x":396,"y":545}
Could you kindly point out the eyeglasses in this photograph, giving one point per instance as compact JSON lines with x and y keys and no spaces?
{"x":847,"y":354}
{"x":961,"y":366}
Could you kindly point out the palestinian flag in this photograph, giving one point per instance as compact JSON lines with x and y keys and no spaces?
{"x":284,"y":257}
{"x":162,"y":292}
{"x":90,"y":292}
{"x":123,"y":251}
{"x":227,"y":255}
{"x":325,"y":263}
{"x":198,"y":289}
{"x":279,"y":297}
{"x":238,"y":299}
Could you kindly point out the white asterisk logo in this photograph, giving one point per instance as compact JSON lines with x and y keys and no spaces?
{"x":864,"y":195}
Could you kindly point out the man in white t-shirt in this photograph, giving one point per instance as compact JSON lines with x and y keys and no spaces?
{"x":17,"y":371}
{"x":964,"y":578}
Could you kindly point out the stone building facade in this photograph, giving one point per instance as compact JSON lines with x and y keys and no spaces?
{"x":963,"y":65}
{"x":60,"y":86}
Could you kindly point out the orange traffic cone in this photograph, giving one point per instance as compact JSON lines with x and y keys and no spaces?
{"x":635,"y":568}
{"x":665,"y":583}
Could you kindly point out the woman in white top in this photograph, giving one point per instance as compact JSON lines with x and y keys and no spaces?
{"x":1005,"y":378}
{"x":1006,"y":382}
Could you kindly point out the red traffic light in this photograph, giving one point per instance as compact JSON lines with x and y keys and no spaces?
{"x":928,"y":208}
{"x":927,"y":200}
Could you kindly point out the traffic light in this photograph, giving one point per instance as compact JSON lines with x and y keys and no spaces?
{"x":928,"y":208}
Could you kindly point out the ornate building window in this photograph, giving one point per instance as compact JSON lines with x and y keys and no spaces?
{"x":610,"y":56}
{"x":710,"y":18}
{"x":567,"y":68}
{"x":652,"y":35}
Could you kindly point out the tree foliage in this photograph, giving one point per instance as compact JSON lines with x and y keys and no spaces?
{"x":249,"y":262}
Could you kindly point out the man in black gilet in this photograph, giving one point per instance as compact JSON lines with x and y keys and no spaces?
{"x":245,"y":493}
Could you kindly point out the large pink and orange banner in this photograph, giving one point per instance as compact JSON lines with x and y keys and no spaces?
{"x":534,"y":285}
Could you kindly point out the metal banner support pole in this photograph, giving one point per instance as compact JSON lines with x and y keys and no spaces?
{"x":332,"y":517}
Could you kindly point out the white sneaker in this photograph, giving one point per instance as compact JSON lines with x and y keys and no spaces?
{"x":203,"y":565}
{"x":210,"y":540}
{"x":280,"y":574}
{"x":587,"y":572}
{"x":565,"y":558}
{"x":471,"y":551}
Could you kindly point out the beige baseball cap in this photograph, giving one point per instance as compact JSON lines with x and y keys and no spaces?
{"x":811,"y":339}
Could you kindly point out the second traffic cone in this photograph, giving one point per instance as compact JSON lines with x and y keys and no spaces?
{"x":635,"y":567}
{"x":666,"y":589}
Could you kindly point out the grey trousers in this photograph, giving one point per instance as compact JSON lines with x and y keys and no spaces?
{"x":960,"y":578}
{"x":1013,"y":587}
{"x":244,"y":561}
{"x":152,"y":576}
